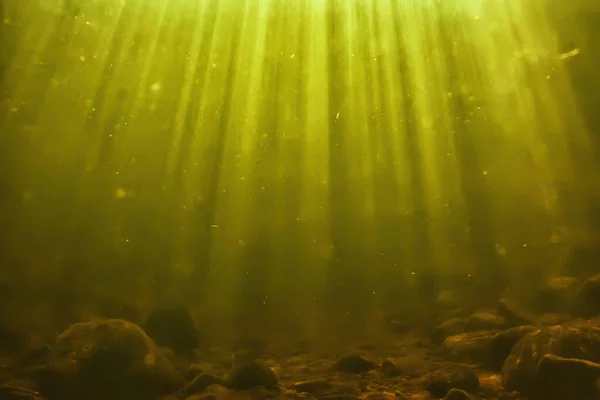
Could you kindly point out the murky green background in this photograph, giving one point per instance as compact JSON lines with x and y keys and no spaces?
{"x":290,"y":168}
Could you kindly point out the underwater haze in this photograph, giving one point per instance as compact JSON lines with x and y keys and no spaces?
{"x":307,"y":179}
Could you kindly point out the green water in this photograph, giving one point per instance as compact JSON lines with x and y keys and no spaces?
{"x":290,"y":168}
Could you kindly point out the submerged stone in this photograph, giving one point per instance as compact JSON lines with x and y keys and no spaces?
{"x":355,"y":364}
{"x":582,"y":261}
{"x":587,"y":302}
{"x":500,"y":346}
{"x":442,"y":382}
{"x":252,"y":374}
{"x":484,"y":320}
{"x":579,"y":340}
{"x":201,"y":382}
{"x":567,"y":378}
{"x":107,"y":359}
{"x":470,"y":346}
{"x":552,"y":319}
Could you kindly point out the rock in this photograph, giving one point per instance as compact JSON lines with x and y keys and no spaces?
{"x":252,"y":374}
{"x":587,"y":301}
{"x":35,"y":354}
{"x":500,"y":346}
{"x":107,"y":359}
{"x":441,"y":382}
{"x":355,"y":364}
{"x":438,"y":385}
{"x":200,"y":383}
{"x":457,"y":394}
{"x":582,"y":261}
{"x":173,"y":326}
{"x":194,"y":369}
{"x":578,"y":340}
{"x":478,"y":321}
{"x":567,"y":378}
{"x":390,"y":369}
{"x":514,"y":313}
{"x":490,"y":385}
{"x":464,"y":379}
{"x":551,"y":319}
{"x":452,"y":326}
{"x":483,"y":320}
{"x":313,"y":386}
{"x":216,"y":389}
{"x":449,"y":300}
{"x":557,"y":295}
{"x":470,"y":346}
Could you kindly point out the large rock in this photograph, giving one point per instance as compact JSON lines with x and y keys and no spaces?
{"x":108,"y":359}
{"x":579,"y":340}
{"x":567,"y":378}
{"x":583,"y":261}
{"x":478,"y":321}
{"x":554,"y":319}
{"x":500,"y":346}
{"x":470,"y":346}
{"x":484,"y":320}
{"x":587,"y":302}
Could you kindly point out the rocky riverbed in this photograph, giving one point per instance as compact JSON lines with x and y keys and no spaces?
{"x":500,"y":352}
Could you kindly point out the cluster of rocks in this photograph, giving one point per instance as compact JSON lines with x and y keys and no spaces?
{"x":548,"y":351}
{"x":502,"y":352}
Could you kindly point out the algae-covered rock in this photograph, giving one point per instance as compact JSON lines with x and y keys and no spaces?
{"x":107,"y":359}
{"x":579,"y":340}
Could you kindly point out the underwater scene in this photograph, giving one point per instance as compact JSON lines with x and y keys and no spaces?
{"x":299,"y":199}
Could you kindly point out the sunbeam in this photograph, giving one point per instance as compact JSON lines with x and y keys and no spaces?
{"x":290,"y":167}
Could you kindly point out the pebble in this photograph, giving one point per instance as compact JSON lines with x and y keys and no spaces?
{"x":355,"y":364}
{"x":252,"y":374}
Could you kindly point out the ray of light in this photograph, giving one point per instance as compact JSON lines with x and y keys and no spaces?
{"x":349,"y":146}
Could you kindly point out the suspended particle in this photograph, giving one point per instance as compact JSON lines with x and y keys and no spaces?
{"x":155,"y":87}
{"x":120,"y":193}
{"x":500,"y":249}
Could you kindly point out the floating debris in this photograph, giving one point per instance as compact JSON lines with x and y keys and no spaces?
{"x":569,"y":54}
{"x":155,"y":87}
